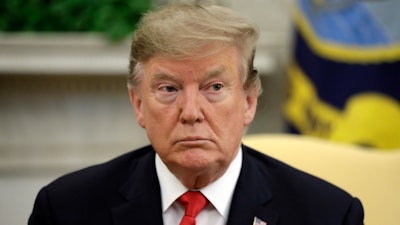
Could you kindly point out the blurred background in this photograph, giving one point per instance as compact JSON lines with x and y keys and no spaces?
{"x":329,"y":69}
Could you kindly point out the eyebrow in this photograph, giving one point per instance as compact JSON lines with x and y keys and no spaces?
{"x":163,"y":75}
{"x":215,"y":72}
{"x":208,"y":75}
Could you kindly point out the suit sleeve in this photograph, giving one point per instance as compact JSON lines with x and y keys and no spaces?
{"x":355,"y":214}
{"x":41,"y":214}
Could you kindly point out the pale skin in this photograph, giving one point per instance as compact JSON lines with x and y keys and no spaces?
{"x":194,"y":112}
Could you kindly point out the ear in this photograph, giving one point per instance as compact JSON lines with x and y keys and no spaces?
{"x":250,"y":106}
{"x":136,"y":102}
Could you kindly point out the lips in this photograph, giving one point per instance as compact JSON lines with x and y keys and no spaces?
{"x":192,"y":140}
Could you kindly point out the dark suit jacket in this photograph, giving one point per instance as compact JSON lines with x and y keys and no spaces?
{"x":126,"y":191}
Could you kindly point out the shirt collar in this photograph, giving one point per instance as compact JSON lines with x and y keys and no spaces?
{"x":219,"y":193}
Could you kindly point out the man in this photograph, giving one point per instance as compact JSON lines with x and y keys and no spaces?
{"x":194,"y":90}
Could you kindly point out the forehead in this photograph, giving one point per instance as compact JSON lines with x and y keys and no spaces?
{"x":225,"y":60}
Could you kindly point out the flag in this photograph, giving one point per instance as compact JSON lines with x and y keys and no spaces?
{"x":258,"y":221}
{"x":344,"y":77}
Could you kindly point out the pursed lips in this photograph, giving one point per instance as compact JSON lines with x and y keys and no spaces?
{"x":193,"y":140}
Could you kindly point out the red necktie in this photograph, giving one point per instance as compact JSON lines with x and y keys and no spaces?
{"x":194,"y":202}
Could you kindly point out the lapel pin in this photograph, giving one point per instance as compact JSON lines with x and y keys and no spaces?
{"x":258,"y":221}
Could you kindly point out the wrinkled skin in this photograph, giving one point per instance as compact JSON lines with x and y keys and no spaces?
{"x":194,"y":112}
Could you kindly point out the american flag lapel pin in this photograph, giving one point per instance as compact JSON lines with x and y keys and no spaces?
{"x":258,"y":221}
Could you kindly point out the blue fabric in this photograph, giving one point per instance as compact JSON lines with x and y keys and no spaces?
{"x":352,"y":25}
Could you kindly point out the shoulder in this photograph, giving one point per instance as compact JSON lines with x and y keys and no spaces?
{"x":287,"y":174}
{"x":301,"y":190}
{"x":75,"y":197}
{"x":107,"y":175}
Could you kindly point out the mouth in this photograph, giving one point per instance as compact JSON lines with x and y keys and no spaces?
{"x":192,"y":141}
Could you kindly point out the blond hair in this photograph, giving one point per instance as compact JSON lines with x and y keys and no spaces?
{"x":184,"y":30}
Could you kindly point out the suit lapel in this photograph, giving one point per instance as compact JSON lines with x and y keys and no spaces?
{"x":252,"y":196}
{"x":142,"y":194}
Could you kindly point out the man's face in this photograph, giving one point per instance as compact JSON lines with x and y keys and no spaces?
{"x":194,"y":112}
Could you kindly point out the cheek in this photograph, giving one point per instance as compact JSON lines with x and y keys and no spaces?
{"x":230,"y":118}
{"x":235,"y":112}
{"x":159,"y":119}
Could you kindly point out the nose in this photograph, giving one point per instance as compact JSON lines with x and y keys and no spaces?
{"x":191,"y":107}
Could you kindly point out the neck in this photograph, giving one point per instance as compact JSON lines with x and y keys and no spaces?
{"x":198,"y":181}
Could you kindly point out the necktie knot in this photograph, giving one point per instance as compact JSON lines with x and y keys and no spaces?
{"x":194,"y":202}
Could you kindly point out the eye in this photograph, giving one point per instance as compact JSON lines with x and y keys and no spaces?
{"x":168,"y":88}
{"x":216,"y":87}
{"x":215,"y":91}
{"x":166,"y":93}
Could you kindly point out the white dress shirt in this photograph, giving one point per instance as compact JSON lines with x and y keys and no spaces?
{"x":219,"y":193}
